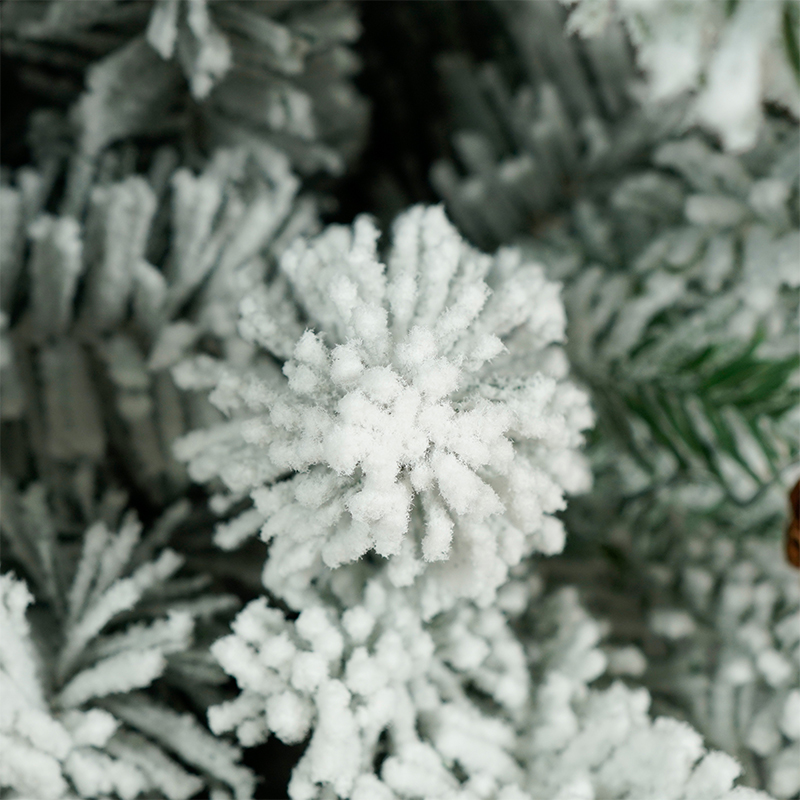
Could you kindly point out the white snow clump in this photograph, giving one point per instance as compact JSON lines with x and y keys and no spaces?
{"x":424,"y":413}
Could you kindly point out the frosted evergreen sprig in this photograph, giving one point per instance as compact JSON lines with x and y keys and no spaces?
{"x":261,"y":74}
{"x":423,"y":414}
{"x":729,"y":613}
{"x":687,"y":308}
{"x":400,"y":709}
{"x":602,"y":743}
{"x":587,"y":736}
{"x":710,"y":602}
{"x":732,"y":57}
{"x":387,"y":698}
{"x":688,"y":336}
{"x":162,"y":261}
{"x":524,"y":151}
{"x":680,"y":264}
{"x":79,"y":715}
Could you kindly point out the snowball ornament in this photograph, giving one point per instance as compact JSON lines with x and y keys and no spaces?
{"x":423,"y":414}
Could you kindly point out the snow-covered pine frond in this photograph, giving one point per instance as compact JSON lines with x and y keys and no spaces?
{"x":400,"y":709}
{"x":162,"y":262}
{"x":524,"y":150}
{"x":728,"y":615}
{"x":586,"y":735}
{"x":680,"y":264}
{"x":602,"y":743}
{"x":71,"y":668}
{"x":423,"y":414}
{"x":385,"y":697}
{"x":686,"y":304}
{"x":692,"y":323}
{"x":274,"y":75}
{"x":681,"y":269}
{"x":716,"y":617}
{"x":731,"y":57}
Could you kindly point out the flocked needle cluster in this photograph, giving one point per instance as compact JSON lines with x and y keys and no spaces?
{"x":83,"y":676}
{"x":423,"y":414}
{"x":377,"y":686}
{"x":730,"y":56}
{"x":262,"y":74}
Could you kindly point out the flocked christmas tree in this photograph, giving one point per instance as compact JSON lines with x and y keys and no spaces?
{"x":513,"y":474}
